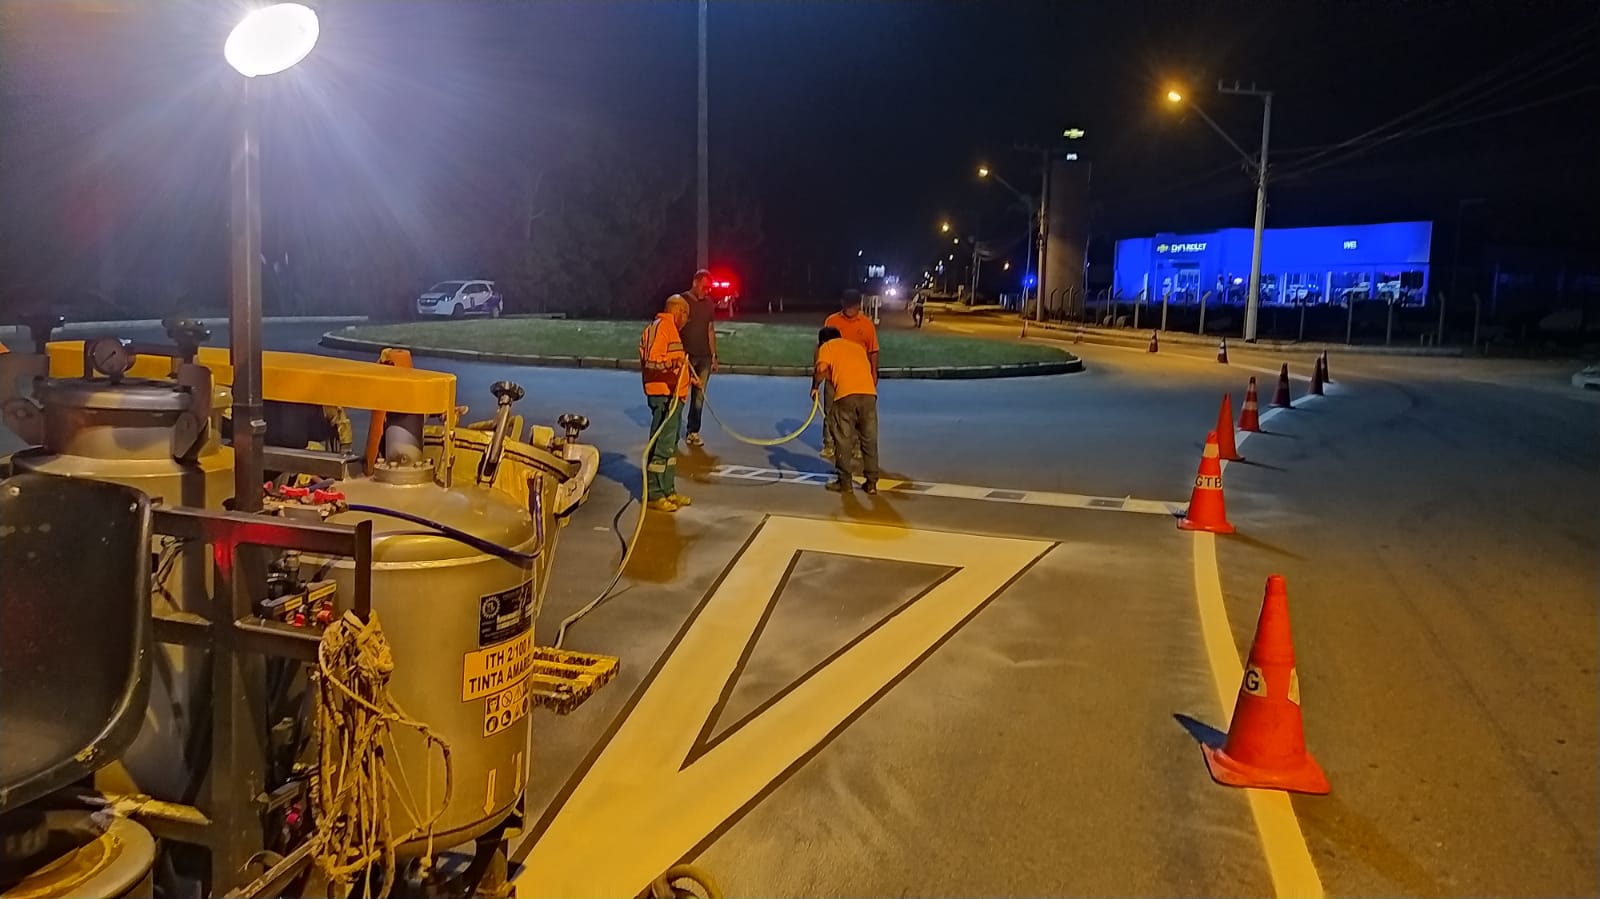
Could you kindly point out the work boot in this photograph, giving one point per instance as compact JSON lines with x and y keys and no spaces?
{"x":662,"y":505}
{"x":871,"y":488}
{"x":840,"y":486}
{"x":679,"y":500}
{"x":694,"y":440}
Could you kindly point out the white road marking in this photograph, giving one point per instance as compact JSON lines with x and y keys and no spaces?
{"x":960,"y":491}
{"x":639,"y":809}
{"x":1293,"y":376}
{"x":1288,"y":857}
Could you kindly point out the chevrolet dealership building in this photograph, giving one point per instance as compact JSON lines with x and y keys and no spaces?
{"x":1316,"y":266}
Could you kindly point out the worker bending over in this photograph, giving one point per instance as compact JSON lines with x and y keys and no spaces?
{"x":852,"y":418}
{"x":855,"y":326}
{"x":667,"y":376}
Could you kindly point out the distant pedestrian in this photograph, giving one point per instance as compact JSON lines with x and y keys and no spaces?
{"x":854,"y":326}
{"x":918,"y":301}
{"x":667,"y":376}
{"x":700,"y":342}
{"x":843,"y":366}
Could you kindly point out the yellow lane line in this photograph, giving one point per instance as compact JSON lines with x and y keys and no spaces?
{"x":1288,"y":856}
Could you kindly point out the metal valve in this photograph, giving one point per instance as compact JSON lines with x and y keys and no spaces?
{"x":573,"y":424}
{"x":505,"y":393}
{"x":187,"y":334}
{"x":40,"y":326}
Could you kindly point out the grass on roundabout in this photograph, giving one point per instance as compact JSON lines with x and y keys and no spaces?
{"x":738,"y":343}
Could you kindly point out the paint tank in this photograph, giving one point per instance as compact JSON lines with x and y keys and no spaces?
{"x":459,"y":623}
{"x":123,"y":433}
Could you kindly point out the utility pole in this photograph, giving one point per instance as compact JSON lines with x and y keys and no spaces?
{"x":1043,"y":222}
{"x":1253,"y":302}
{"x":702,"y":252}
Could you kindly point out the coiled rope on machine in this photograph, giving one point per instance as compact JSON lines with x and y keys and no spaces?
{"x":352,"y":790}
{"x":644,"y":491}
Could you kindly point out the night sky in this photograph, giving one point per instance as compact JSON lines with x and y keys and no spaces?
{"x":858,"y":125}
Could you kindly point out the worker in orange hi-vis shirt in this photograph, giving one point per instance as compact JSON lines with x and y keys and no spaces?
{"x":667,"y":376}
{"x":857,"y":327}
{"x":853,"y":415}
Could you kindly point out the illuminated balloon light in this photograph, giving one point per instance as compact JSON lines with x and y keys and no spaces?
{"x":271,"y":39}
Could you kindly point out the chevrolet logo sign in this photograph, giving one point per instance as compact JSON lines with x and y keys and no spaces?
{"x":1161,"y":248}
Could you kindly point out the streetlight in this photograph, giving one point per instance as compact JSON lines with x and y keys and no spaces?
{"x":1027,"y":202}
{"x":267,"y":41}
{"x":1006,"y":266}
{"x":1259,"y":168}
{"x":945,"y":227}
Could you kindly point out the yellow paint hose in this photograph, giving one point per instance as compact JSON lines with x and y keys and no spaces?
{"x":753,"y":441}
{"x":644,"y":493}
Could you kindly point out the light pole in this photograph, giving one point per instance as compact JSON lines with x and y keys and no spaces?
{"x":267,"y":41}
{"x":1259,"y":166}
{"x":702,"y":251}
{"x":1028,"y":203}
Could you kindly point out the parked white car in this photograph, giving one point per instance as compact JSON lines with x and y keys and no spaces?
{"x":458,"y":299}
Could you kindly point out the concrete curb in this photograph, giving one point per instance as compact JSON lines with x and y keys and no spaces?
{"x":1069,"y":365}
{"x":20,"y":331}
{"x":1180,"y":339}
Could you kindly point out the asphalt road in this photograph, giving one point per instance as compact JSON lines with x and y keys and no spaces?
{"x":955,"y":696}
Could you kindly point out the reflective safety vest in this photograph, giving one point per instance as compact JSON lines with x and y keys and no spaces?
{"x":662,"y":361}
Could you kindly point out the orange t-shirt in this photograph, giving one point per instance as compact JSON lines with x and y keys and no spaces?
{"x":846,"y":366}
{"x":859,"y":329}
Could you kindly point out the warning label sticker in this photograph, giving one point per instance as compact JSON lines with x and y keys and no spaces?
{"x":505,"y":708}
{"x":505,"y":614}
{"x":496,"y":668}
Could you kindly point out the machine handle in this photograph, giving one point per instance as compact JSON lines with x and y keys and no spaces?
{"x":40,"y":326}
{"x":505,"y":393}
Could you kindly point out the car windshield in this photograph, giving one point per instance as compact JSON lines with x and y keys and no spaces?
{"x":445,"y":287}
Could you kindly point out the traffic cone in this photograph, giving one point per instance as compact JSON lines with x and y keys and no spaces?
{"x":1207,"y":511}
{"x":1079,"y":337}
{"x":1154,"y":346}
{"x":1222,"y":351}
{"x":1281,"y":398}
{"x":1326,"y":378}
{"x":1250,"y":414}
{"x":1316,"y":378}
{"x":1227,"y":447}
{"x":1266,"y":745}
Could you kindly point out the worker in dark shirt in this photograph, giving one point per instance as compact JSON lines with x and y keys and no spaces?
{"x":700,"y":343}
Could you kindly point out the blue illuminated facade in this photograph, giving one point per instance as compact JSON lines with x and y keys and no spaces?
{"x":1330,"y":265}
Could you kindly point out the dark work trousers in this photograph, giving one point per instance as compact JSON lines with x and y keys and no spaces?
{"x":827,"y":414}
{"x":697,"y":395}
{"x":853,"y":421}
{"x":661,"y":478}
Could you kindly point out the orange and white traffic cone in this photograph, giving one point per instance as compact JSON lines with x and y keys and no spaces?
{"x":1316,"y":378}
{"x":1281,"y":398}
{"x":1250,"y":414}
{"x":1326,"y":378}
{"x":1222,"y":351}
{"x":1266,"y":745}
{"x":1227,"y":447}
{"x":1207,"y":511}
{"x":1154,"y":345}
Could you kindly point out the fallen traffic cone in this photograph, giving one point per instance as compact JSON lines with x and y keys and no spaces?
{"x":1207,"y":511}
{"x":1222,"y":351}
{"x":1266,"y":745}
{"x":1250,"y":414}
{"x":1281,"y":398}
{"x":1316,"y":379}
{"x":1326,"y":378}
{"x":1154,"y":346}
{"x":1227,"y":447}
